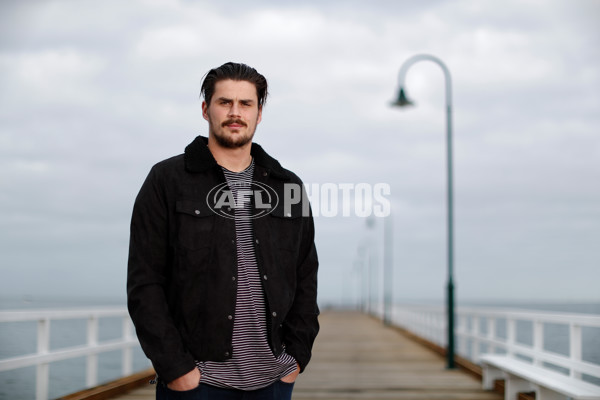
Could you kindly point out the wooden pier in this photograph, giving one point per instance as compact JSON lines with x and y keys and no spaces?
{"x":356,"y":357}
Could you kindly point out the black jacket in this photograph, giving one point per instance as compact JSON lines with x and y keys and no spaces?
{"x":182,"y":269}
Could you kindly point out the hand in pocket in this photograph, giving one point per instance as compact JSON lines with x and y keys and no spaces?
{"x":189,"y":381}
{"x":291,"y":378}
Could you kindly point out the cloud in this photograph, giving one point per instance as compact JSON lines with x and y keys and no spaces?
{"x":47,"y":78}
{"x":94,"y":93}
{"x":170,"y":42}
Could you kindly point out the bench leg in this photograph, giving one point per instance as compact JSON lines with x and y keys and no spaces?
{"x":490,"y":374}
{"x":514,"y":385}
{"x":542,"y":393}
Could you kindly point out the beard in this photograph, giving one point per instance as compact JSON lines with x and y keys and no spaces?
{"x":232,"y":142}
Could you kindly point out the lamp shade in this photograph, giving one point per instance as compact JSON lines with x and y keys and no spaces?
{"x":402,"y":100}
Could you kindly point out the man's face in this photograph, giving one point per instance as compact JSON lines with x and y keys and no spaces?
{"x":233,"y":113}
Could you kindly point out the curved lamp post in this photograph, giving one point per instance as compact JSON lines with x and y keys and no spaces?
{"x":403,"y":101}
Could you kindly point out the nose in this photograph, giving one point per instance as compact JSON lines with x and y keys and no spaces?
{"x":234,"y":110}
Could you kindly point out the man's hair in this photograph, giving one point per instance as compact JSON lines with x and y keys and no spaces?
{"x":236,"y":72}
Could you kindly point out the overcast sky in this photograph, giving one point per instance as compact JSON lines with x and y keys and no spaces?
{"x":93,"y":93}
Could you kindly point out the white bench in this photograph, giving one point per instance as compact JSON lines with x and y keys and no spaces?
{"x":520,"y":376}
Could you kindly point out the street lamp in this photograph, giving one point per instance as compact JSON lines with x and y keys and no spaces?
{"x":403,"y":101}
{"x":388,"y":269}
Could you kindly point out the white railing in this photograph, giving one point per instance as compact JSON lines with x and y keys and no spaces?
{"x":45,"y":355}
{"x":521,"y":334}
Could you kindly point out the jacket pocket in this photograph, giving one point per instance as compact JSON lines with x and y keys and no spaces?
{"x":285,"y":224}
{"x":195,"y":223}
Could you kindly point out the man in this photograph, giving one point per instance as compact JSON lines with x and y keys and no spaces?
{"x":222,"y":272}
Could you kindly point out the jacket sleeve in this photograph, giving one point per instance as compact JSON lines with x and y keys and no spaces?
{"x":147,"y":279}
{"x":301,"y":324}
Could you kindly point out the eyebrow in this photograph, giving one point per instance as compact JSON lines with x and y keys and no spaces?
{"x":230,"y":100}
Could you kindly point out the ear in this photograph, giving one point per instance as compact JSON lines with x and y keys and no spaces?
{"x":259,"y":115}
{"x":205,"y":110}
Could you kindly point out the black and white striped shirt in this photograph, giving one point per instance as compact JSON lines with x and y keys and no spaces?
{"x":253,"y":365}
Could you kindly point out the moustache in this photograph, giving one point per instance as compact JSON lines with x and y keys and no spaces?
{"x":233,"y":121}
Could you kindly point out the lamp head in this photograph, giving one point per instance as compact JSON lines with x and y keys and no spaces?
{"x":402,"y":100}
{"x":370,"y":222}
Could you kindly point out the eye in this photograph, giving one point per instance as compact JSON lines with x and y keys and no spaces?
{"x":223,"y":101}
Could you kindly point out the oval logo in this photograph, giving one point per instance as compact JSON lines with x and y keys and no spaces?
{"x":260,"y":198}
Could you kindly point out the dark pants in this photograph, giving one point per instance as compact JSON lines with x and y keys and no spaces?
{"x":277,"y":391}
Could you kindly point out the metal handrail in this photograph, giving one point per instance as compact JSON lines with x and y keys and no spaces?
{"x":429,"y":322}
{"x":44,"y":355}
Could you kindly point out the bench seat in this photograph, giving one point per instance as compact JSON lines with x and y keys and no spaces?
{"x":520,"y":376}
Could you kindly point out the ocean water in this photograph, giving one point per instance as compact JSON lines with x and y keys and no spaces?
{"x":68,"y":376}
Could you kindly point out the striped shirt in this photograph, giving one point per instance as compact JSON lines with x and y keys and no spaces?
{"x":253,"y":365}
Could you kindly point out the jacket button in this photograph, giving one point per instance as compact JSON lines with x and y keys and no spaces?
{"x":197,"y":212}
{"x":288,"y":214}
{"x":265,"y":173}
{"x":232,"y":241}
{"x":229,"y":317}
{"x":265,"y":277}
{"x":233,"y":278}
{"x":226,"y":354}
{"x":256,"y":241}
{"x":274,"y":314}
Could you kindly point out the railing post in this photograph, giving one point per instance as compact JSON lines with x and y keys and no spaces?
{"x":439,"y":328}
{"x":574,"y":348}
{"x":43,"y":346}
{"x":462,"y":335}
{"x":443,"y":333}
{"x":434,"y":326}
{"x":538,"y":341}
{"x":475,"y":336}
{"x":511,"y":335}
{"x":91,"y":378}
{"x":127,"y":360}
{"x":491,"y":334}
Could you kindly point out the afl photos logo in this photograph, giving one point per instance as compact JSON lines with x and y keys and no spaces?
{"x":224,"y":201}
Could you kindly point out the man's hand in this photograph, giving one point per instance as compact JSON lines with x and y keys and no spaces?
{"x":291,"y":378}
{"x":189,"y":381}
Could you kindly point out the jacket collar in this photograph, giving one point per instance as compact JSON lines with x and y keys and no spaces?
{"x":198,"y":158}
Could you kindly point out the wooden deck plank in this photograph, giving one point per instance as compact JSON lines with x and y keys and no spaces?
{"x":356,"y":357}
